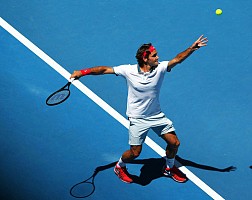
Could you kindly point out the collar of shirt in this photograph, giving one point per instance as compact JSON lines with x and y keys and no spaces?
{"x":141,"y":72}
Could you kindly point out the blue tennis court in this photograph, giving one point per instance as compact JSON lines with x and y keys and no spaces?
{"x":46,"y":150}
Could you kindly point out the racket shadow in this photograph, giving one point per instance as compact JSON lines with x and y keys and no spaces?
{"x":86,"y":188}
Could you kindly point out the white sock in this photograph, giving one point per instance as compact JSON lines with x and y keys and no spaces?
{"x":121,"y":163}
{"x":170,"y":162}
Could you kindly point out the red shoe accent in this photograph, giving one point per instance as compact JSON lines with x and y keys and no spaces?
{"x":175,"y":174}
{"x":123,"y":174}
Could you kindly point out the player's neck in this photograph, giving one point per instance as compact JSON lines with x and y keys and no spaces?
{"x":145,"y":68}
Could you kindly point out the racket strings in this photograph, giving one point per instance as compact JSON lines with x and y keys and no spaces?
{"x":58,"y":97}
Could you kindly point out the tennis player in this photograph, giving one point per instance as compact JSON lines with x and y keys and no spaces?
{"x":144,"y":81}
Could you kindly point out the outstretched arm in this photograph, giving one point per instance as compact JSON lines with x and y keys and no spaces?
{"x":200,"y":42}
{"x":99,"y":70}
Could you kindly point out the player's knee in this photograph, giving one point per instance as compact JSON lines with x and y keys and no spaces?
{"x":136,"y":152}
{"x":177,"y":143}
{"x":174,"y":145}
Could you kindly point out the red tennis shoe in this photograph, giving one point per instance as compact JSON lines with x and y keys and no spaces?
{"x":175,"y":174}
{"x":123,"y":174}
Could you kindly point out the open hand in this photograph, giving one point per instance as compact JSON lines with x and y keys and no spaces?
{"x":202,"y":41}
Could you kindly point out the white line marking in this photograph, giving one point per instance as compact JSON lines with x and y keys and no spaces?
{"x":102,"y":104}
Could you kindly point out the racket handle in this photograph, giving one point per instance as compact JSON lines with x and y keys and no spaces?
{"x":71,"y":80}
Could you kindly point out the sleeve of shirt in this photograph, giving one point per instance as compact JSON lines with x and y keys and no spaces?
{"x":120,"y":70}
{"x":163,"y":66}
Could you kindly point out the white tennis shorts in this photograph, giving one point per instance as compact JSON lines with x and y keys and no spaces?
{"x":139,"y":127}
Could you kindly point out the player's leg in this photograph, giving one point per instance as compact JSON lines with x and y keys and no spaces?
{"x":132,"y":153}
{"x":171,"y":150}
{"x":164,"y":128}
{"x":137,"y":133}
{"x":172,"y":144}
{"x":129,"y":155}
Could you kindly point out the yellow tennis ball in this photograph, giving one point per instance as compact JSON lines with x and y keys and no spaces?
{"x":218,"y":11}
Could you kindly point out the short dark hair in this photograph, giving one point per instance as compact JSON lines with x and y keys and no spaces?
{"x":140,"y":52}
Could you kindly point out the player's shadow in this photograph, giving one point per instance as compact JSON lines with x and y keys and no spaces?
{"x":152,"y":169}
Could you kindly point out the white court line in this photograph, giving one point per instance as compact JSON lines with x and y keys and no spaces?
{"x":102,"y":104}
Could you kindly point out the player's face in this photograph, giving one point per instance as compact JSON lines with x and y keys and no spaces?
{"x":153,"y":59}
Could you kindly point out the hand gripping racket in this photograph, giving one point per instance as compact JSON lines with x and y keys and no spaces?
{"x":60,"y":95}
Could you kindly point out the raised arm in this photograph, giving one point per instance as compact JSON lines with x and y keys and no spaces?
{"x":99,"y":70}
{"x":200,"y":42}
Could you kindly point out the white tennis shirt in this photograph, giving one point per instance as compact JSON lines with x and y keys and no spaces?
{"x":143,"y":89}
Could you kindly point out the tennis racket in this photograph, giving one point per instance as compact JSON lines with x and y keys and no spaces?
{"x":85,"y":188}
{"x":60,"y":95}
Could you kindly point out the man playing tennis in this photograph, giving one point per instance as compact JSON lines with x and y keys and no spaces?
{"x":144,"y":81}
